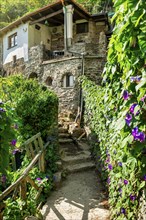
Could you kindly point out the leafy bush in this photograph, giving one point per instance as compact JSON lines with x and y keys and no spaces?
{"x":35,"y":105}
{"x":28,"y":108}
{"x":118,"y":112}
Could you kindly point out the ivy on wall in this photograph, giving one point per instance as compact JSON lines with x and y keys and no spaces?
{"x":118,"y":110}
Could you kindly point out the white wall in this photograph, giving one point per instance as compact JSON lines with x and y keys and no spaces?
{"x":21,"y":50}
{"x":37,"y":37}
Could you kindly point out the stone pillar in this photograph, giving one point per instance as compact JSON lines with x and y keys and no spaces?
{"x":68,"y":22}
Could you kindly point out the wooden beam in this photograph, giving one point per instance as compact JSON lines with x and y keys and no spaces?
{"x":82,"y":15}
{"x":46,"y":17}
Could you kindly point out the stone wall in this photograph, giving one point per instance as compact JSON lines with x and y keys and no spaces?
{"x":14,"y":67}
{"x":68,"y":96}
{"x":52,"y":72}
{"x":34,"y":65}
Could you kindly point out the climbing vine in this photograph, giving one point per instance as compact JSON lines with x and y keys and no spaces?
{"x":118,"y":111}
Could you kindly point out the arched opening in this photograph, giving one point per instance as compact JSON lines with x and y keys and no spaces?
{"x":49,"y":81}
{"x":32,"y":75}
{"x":68,"y":80}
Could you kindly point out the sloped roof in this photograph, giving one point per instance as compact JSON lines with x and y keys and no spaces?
{"x":52,"y":13}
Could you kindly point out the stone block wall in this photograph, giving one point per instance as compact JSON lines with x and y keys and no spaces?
{"x":55,"y":71}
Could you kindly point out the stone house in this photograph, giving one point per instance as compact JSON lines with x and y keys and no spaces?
{"x":56,"y":44}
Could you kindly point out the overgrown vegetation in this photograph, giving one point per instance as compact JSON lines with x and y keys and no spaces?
{"x":26,"y":108}
{"x":117,"y":111}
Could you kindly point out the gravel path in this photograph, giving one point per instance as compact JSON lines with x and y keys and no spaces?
{"x":81,"y":197}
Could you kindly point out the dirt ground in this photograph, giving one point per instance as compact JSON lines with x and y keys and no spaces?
{"x":80,"y":197}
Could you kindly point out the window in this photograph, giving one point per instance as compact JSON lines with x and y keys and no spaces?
{"x":12,"y":40}
{"x":68,"y":80}
{"x":82,"y":28}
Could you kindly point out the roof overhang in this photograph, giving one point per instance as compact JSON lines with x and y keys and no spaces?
{"x":52,"y":14}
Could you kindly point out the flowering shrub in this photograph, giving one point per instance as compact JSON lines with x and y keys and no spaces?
{"x":118,"y":111}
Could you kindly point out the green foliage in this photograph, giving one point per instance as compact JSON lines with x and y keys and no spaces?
{"x":118,"y":112}
{"x":28,"y":108}
{"x":35,"y":106}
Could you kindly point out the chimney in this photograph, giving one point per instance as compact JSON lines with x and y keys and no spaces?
{"x":68,"y":25}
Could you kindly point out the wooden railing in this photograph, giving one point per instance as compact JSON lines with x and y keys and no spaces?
{"x":35,"y":150}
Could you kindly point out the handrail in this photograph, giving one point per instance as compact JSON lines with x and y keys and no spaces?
{"x":28,"y":168}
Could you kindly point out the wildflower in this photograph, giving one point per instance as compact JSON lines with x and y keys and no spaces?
{"x":120,"y":164}
{"x":143,"y":98}
{"x":125,"y":95}
{"x":140,"y":136}
{"x":135,"y":78}
{"x":125,"y":182}
{"x":39,"y":180}
{"x":108,"y":159}
{"x":120,"y":190}
{"x":110,"y":166}
{"x":132,"y":108}
{"x":108,"y":180}
{"x":13,"y":142}
{"x":128,"y":119}
{"x":2,"y":110}
{"x":132,"y":197}
{"x":15,"y":151}
{"x":3,"y":178}
{"x":123,"y":211}
{"x":144,"y":177}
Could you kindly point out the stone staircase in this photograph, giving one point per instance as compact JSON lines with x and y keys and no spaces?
{"x":75,"y":155}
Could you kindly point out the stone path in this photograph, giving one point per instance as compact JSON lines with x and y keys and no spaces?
{"x":81,"y":197}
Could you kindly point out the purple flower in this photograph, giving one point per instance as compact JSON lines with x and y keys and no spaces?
{"x":110,"y":166}
{"x":108,"y":159}
{"x":128,"y":119}
{"x":132,"y":197}
{"x":135,"y":133}
{"x":123,"y":211}
{"x":120,"y":164}
{"x":15,"y":151}
{"x":2,"y":110}
{"x":120,"y":190}
{"x":13,"y":142}
{"x":39,"y":180}
{"x":140,"y":136}
{"x":132,"y":107}
{"x":125,"y":182}
{"x":143,"y":98}
{"x":144,"y":177}
{"x":125,"y":95}
{"x":108,"y":180}
{"x":3,"y":178}
{"x":135,"y":78}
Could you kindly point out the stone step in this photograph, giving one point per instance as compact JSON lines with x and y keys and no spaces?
{"x":64,"y":135}
{"x":79,"y":167}
{"x":76,"y":159}
{"x":65,"y":140}
{"x":62,"y":130}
